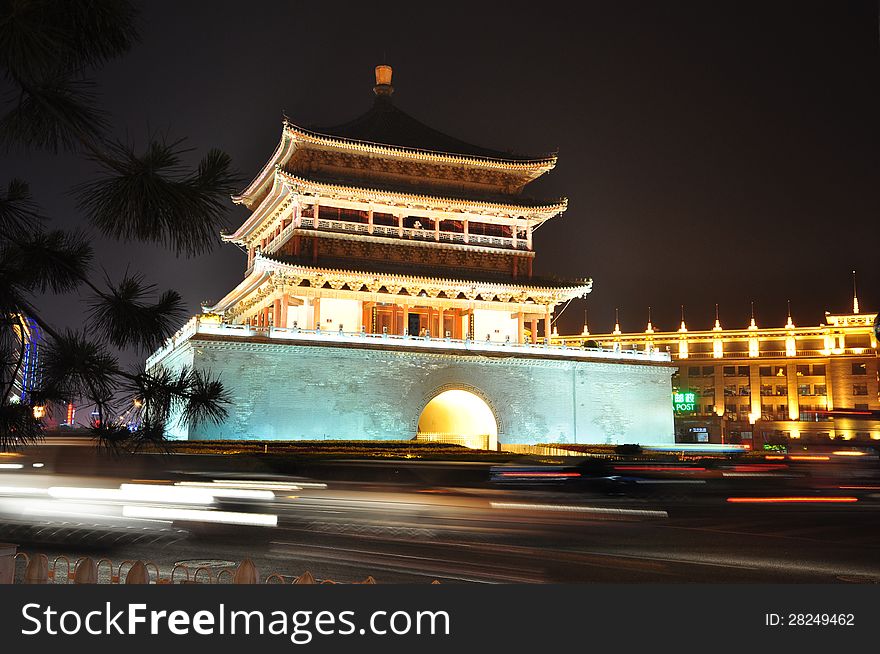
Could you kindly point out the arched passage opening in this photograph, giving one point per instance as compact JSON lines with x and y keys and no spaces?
{"x":460,"y":417}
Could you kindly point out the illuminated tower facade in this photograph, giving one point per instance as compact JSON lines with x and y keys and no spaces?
{"x":399,"y":260}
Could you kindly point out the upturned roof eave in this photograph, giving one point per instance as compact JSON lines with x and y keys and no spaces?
{"x":532,"y":168}
{"x":548,"y":210}
{"x":581,"y":285}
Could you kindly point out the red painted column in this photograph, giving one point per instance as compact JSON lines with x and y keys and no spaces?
{"x":285,"y":302}
{"x":547,"y":319}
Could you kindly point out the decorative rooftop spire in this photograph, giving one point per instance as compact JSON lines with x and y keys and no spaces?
{"x":586,"y":331}
{"x":383,"y":88}
{"x":855,"y":294}
{"x":790,"y":323}
{"x":617,"y":321}
{"x":650,"y":329}
{"x":753,"y":324}
{"x":683,"y":327}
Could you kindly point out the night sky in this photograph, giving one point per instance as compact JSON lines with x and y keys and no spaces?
{"x":711,"y":152}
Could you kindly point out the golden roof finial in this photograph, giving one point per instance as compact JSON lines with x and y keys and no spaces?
{"x":790,"y":322}
{"x":753,"y":324}
{"x":683,"y":327}
{"x":717,"y":326}
{"x":617,"y":320}
{"x":383,"y":86}
{"x":650,"y":329}
{"x":586,"y":331}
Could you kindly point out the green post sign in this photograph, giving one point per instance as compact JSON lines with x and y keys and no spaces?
{"x":684,"y":401}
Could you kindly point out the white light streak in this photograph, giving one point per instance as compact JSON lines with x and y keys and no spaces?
{"x":195,"y":515}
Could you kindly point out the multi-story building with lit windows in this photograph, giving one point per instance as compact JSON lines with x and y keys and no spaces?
{"x":760,"y":385}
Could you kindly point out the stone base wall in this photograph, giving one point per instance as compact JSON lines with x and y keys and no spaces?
{"x":308,"y":392}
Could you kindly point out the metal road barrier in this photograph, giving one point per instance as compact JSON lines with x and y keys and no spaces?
{"x":85,"y":570}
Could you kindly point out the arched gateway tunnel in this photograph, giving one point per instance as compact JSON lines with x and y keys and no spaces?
{"x":461,"y":416}
{"x":322,"y":389}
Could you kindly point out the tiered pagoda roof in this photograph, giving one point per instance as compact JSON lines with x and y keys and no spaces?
{"x":385,"y":132}
{"x":385,"y":124}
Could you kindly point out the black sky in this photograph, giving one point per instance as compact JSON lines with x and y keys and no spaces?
{"x":711,"y":151}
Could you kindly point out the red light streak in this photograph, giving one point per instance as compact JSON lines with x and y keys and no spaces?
{"x":791,"y":500}
{"x":674,"y":468}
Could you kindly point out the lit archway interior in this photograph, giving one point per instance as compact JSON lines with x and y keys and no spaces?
{"x":460,"y":417}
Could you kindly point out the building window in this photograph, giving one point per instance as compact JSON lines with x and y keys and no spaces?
{"x":766,"y":389}
{"x":742,"y":371}
{"x":803,"y":370}
{"x":744,"y":390}
{"x":778,"y":371}
{"x":804,"y":389}
{"x":708,"y":371}
{"x":730,"y":390}
{"x":860,"y":389}
{"x":861,"y":407}
{"x":729,"y":371}
{"x":820,"y":389}
{"x":765,"y":371}
{"x":819,"y":369}
{"x":860,"y":369}
{"x":694,"y":371}
{"x":782,"y":390}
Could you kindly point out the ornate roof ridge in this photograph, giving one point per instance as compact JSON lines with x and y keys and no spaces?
{"x":560,"y":205}
{"x":418,"y":153}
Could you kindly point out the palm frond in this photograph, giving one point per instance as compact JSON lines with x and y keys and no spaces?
{"x":159,"y":392}
{"x":124,"y":318}
{"x":54,"y":261}
{"x":98,"y":30}
{"x":75,"y":367}
{"x":151,"y":197}
{"x":43,"y":37}
{"x":111,"y":437}
{"x":19,"y":213}
{"x":30,"y":39}
{"x":55,"y":114}
{"x":150,"y":433}
{"x":206,"y":400}
{"x":18,"y":427}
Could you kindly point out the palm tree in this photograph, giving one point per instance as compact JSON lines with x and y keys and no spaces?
{"x":47,"y":51}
